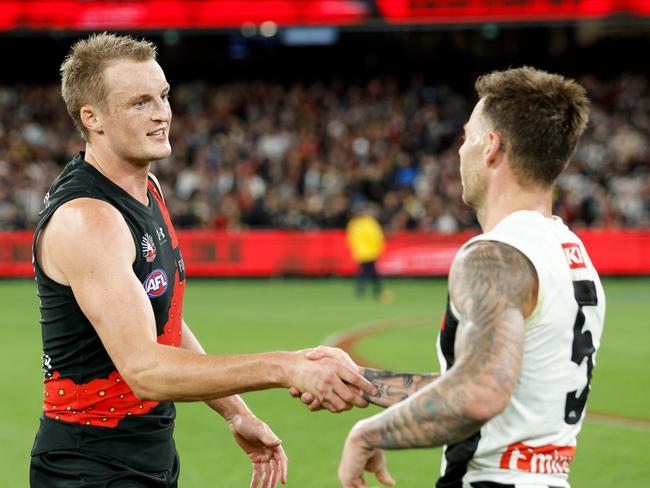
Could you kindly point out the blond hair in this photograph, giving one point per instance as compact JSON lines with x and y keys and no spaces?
{"x":82,"y":71}
{"x":541,"y":116}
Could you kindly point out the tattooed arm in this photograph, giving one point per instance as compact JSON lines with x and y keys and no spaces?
{"x":395,"y":387}
{"x":494,"y":287}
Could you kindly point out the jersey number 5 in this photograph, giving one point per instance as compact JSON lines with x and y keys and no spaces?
{"x":583,"y":347}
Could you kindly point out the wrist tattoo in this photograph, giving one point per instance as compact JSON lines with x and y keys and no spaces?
{"x":394,"y":387}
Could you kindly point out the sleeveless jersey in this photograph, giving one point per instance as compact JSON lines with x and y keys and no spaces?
{"x":532,"y":442}
{"x":87,"y":404}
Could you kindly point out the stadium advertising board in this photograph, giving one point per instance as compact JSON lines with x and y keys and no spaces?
{"x":325,"y":253}
{"x":225,"y":14}
{"x":472,"y":11}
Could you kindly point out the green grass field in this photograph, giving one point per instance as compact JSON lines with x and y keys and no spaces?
{"x":231,"y":316}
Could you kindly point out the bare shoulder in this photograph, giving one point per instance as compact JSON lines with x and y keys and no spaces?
{"x":494,"y":273}
{"x":89,"y":218}
{"x":81,"y":232}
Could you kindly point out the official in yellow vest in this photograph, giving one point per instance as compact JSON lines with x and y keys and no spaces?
{"x":366,"y":241}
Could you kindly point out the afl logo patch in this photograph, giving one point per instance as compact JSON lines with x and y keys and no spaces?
{"x":156,"y":283}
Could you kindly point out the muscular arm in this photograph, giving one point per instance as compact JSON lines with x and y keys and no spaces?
{"x":394,"y":387}
{"x":494,"y":287}
{"x":88,"y":245}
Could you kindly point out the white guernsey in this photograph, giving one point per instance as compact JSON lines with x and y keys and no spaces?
{"x":533,"y":440}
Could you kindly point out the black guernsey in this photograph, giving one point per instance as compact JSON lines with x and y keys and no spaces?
{"x":87,"y":405}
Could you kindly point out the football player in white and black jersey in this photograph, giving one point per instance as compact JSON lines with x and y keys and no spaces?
{"x":525,"y":314}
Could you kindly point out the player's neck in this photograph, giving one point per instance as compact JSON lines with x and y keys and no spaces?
{"x":499,"y":204}
{"x":131,"y":177}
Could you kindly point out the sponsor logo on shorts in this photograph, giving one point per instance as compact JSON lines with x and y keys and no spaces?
{"x":543,"y":459}
{"x":156,"y":283}
{"x":573,"y":255}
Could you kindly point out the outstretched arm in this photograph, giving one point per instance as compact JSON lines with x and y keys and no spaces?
{"x":494,"y":287}
{"x":88,"y":246}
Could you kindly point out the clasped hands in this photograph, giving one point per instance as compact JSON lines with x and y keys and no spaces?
{"x":327,"y":378}
{"x":339,"y":393}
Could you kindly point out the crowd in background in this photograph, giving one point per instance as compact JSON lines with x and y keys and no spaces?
{"x":254,"y":155}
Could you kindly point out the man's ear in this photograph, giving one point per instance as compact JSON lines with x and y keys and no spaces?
{"x":492,"y":153}
{"x":92,"y":119}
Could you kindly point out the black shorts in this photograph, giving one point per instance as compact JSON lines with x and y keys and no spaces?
{"x":72,"y":469}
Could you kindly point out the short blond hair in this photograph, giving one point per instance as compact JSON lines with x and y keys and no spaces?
{"x":82,"y":71}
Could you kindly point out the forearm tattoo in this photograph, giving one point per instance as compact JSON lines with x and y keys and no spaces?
{"x":490,"y":284}
{"x":394,"y":387}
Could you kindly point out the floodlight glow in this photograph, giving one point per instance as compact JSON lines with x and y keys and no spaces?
{"x":268,"y":28}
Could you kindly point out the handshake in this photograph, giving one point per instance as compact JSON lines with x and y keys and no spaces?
{"x":327,"y":378}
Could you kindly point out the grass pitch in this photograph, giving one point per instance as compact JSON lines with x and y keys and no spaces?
{"x":231,"y":316}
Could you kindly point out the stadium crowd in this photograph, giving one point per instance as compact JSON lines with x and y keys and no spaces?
{"x":252,"y":155}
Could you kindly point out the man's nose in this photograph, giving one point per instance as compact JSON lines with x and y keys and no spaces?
{"x":161,"y":111}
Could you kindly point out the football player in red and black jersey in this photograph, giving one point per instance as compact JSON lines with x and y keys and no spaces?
{"x":111,"y":279}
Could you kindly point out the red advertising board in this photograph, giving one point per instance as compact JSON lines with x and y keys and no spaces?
{"x":163,"y":14}
{"x":324,"y":253}
{"x":472,"y":11}
{"x":219,"y":14}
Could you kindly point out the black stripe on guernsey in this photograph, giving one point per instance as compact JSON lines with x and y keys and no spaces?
{"x":458,"y":454}
{"x":585,"y":292}
{"x":448,"y":336}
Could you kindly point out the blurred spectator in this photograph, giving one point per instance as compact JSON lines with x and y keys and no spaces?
{"x":262,"y":155}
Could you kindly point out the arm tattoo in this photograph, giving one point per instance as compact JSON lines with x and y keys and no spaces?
{"x":394,"y":387}
{"x":491,"y":284}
